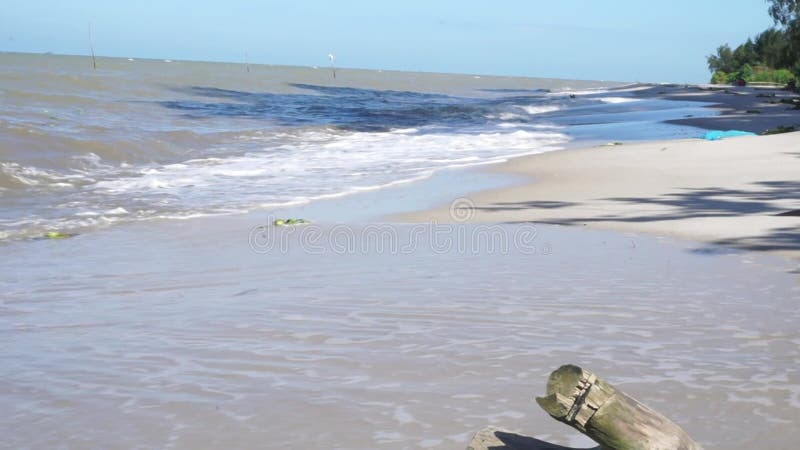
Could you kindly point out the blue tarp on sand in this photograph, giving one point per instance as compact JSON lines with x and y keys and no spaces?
{"x":718,"y":134}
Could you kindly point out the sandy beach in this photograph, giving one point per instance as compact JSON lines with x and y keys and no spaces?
{"x":741,"y":192}
{"x":400,"y":225}
{"x":176,"y":315}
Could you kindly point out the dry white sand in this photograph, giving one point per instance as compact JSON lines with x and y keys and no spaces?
{"x":743,"y":192}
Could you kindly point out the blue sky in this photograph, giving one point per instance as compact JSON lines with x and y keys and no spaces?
{"x":626,"y":40}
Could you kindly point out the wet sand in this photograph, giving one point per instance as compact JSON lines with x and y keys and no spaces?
{"x":751,"y":109}
{"x":221,"y":334}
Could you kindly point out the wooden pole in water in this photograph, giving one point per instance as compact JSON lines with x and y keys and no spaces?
{"x":611,"y":418}
{"x":91,"y":47}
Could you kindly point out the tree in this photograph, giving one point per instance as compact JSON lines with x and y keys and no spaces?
{"x":784,"y":12}
{"x":787,"y":13}
{"x":745,"y":54}
{"x":772,"y":48}
{"x":771,"y":56}
{"x":727,"y":60}
{"x":723,"y":60}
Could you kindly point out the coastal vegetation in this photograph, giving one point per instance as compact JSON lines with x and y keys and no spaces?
{"x":773,"y":56}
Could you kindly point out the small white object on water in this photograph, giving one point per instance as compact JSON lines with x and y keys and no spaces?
{"x":333,"y":68}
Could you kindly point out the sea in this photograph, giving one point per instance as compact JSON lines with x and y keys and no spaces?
{"x":136,"y":139}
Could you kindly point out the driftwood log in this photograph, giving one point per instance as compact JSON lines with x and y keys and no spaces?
{"x":616,"y":421}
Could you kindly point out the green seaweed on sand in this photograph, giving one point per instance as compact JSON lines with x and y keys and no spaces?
{"x":290,"y":222}
{"x":57,"y":235}
{"x":779,"y":129}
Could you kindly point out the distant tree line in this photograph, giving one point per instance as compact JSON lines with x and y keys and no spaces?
{"x":772,"y":56}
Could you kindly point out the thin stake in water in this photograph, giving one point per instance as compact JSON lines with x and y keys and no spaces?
{"x":333,"y":69}
{"x":91,"y":47}
{"x":246,"y":62}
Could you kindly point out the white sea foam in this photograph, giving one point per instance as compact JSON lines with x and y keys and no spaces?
{"x":596,"y":91}
{"x":405,"y":131}
{"x":580,"y":92}
{"x":117,"y":211}
{"x":532,"y":109}
{"x":506,"y":116}
{"x":279,"y":170}
{"x":320,"y":164}
{"x":34,"y":176}
{"x":615,"y":100}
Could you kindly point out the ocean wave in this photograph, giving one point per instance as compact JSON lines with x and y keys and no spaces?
{"x":615,"y":100}
{"x":16,"y":176}
{"x":82,"y":149}
{"x":314,"y":162}
{"x":308,"y":165}
{"x":538,"y":109}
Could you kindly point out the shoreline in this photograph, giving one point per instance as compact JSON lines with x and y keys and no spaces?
{"x":227,"y":329}
{"x":515,"y":177}
{"x":738,"y":192}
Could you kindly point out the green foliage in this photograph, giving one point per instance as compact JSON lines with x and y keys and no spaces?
{"x":772,"y":47}
{"x":720,"y":77}
{"x":772,"y":56}
{"x":768,"y":49}
{"x":758,"y":74}
{"x":784,"y":11}
{"x":787,"y":14}
{"x":723,"y":60}
{"x":779,"y":76}
{"x":745,"y":54}
{"x":745,"y":72}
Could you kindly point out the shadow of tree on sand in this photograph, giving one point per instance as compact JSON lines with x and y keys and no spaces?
{"x":787,"y":238}
{"x":700,"y":203}
{"x":515,"y":206}
{"x":717,"y":202}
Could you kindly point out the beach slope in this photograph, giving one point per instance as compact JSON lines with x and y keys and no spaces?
{"x":742,"y":192}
